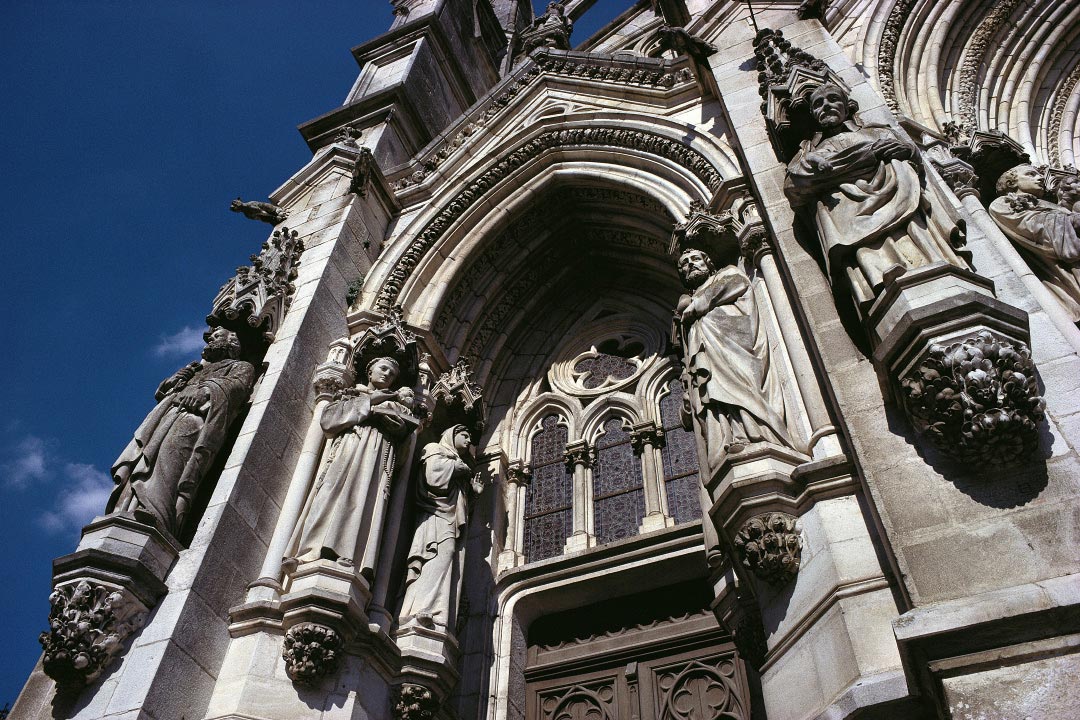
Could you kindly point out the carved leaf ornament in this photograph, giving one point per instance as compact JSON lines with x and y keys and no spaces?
{"x":769,"y":546}
{"x":311,"y":651}
{"x":977,"y":400}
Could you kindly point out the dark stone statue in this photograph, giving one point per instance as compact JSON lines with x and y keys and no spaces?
{"x":163,"y":465}
{"x":263,"y":211}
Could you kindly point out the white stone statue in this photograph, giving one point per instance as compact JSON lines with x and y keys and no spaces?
{"x":161,"y":468}
{"x":734,"y":394}
{"x":433,"y":584}
{"x":343,"y":516}
{"x":1047,"y":233}
{"x":863,"y":185}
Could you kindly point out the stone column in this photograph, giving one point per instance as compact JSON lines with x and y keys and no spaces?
{"x":647,"y":440}
{"x":579,"y":458}
{"x":518,"y":477}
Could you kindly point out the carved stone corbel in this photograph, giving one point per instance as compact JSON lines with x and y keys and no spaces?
{"x":769,"y":545}
{"x":311,"y":652}
{"x":412,"y":701}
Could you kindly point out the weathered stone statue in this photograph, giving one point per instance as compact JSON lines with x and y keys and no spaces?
{"x":433,"y":584}
{"x":343,"y":515}
{"x":1048,"y":234}
{"x":863,"y":185}
{"x":734,"y":395}
{"x":161,"y":468}
{"x":263,"y":211}
{"x":552,"y":29}
{"x":1068,"y":193}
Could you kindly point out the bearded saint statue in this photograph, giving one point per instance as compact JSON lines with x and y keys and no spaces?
{"x":161,"y":468}
{"x":863,"y":186}
{"x":734,"y":394}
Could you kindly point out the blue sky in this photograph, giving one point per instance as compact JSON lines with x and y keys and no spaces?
{"x":128,"y":127}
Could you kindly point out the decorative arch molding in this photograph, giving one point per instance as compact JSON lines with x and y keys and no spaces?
{"x":527,"y":423}
{"x":634,"y":141}
{"x":623,"y":406}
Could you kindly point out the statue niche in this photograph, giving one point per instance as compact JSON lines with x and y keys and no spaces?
{"x":162,"y":467}
{"x":732,"y":392}
{"x":368,"y":428}
{"x":1047,"y":234}
{"x":444,"y":488}
{"x":863,"y":186}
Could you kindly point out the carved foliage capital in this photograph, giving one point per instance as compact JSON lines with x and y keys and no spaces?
{"x":88,"y":623}
{"x":518,"y":473}
{"x":579,"y":453}
{"x":414,"y":702}
{"x":646,"y":434}
{"x":769,"y":545}
{"x":311,"y":651}
{"x":977,"y":400}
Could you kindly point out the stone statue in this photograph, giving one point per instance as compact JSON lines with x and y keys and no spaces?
{"x":367,"y":427}
{"x":433,"y":584}
{"x":263,"y":211}
{"x":163,"y":465}
{"x":552,"y":29}
{"x":1068,"y":192}
{"x":863,"y":184}
{"x":1046,"y":233}
{"x":734,"y":395}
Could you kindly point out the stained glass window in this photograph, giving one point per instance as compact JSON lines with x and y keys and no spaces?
{"x":680,"y":459}
{"x":549,"y":496}
{"x":618,"y":496}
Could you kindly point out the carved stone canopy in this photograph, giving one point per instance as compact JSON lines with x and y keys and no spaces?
{"x":989,"y":153}
{"x":253,"y":303}
{"x":388,"y":339}
{"x":458,"y":400}
{"x":725,"y":234}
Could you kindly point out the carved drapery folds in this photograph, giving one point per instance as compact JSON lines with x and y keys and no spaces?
{"x":88,"y":624}
{"x":977,"y":400}
{"x":769,"y":546}
{"x":253,"y":303}
{"x":262,"y":211}
{"x":311,"y":652}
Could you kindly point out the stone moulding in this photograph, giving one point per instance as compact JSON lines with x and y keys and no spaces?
{"x":975,"y":58}
{"x":977,"y":400}
{"x":88,"y":623}
{"x":638,"y":140}
{"x":770,"y":547}
{"x":311,"y":652}
{"x":890,"y":39}
{"x":1061,"y":102}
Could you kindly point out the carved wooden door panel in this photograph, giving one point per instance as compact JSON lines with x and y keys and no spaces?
{"x":597,"y":696}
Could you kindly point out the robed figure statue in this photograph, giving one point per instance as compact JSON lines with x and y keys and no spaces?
{"x":161,"y":468}
{"x":1047,"y":233}
{"x":733,"y":391}
{"x":343,"y":516}
{"x":863,"y":186}
{"x":436,"y":556}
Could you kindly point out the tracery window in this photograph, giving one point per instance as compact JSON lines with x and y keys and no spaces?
{"x":618,"y":493}
{"x":549,"y":496}
{"x":680,"y":459}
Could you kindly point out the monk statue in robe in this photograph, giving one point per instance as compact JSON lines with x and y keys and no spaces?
{"x":436,"y":556}
{"x":863,"y":187}
{"x":162,"y":467}
{"x":368,"y":429}
{"x":1047,"y":234}
{"x":733,"y":392}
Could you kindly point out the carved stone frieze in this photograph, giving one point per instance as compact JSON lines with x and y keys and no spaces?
{"x":88,"y":624}
{"x":769,"y":546}
{"x":311,"y":652}
{"x":263,"y":211}
{"x":641,"y":141}
{"x":414,"y":702}
{"x":974,"y":60}
{"x":626,"y":72}
{"x":259,"y":295}
{"x":890,"y":39}
{"x":977,"y":400}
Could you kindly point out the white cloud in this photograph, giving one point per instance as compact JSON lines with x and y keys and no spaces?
{"x":28,"y":463}
{"x":183,"y":342}
{"x":82,"y":498}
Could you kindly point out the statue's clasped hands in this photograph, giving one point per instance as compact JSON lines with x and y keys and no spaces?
{"x":193,"y":400}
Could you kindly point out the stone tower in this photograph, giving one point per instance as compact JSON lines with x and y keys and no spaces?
{"x":724,"y":366}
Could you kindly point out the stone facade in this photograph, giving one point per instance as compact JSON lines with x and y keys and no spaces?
{"x":723,"y":366}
